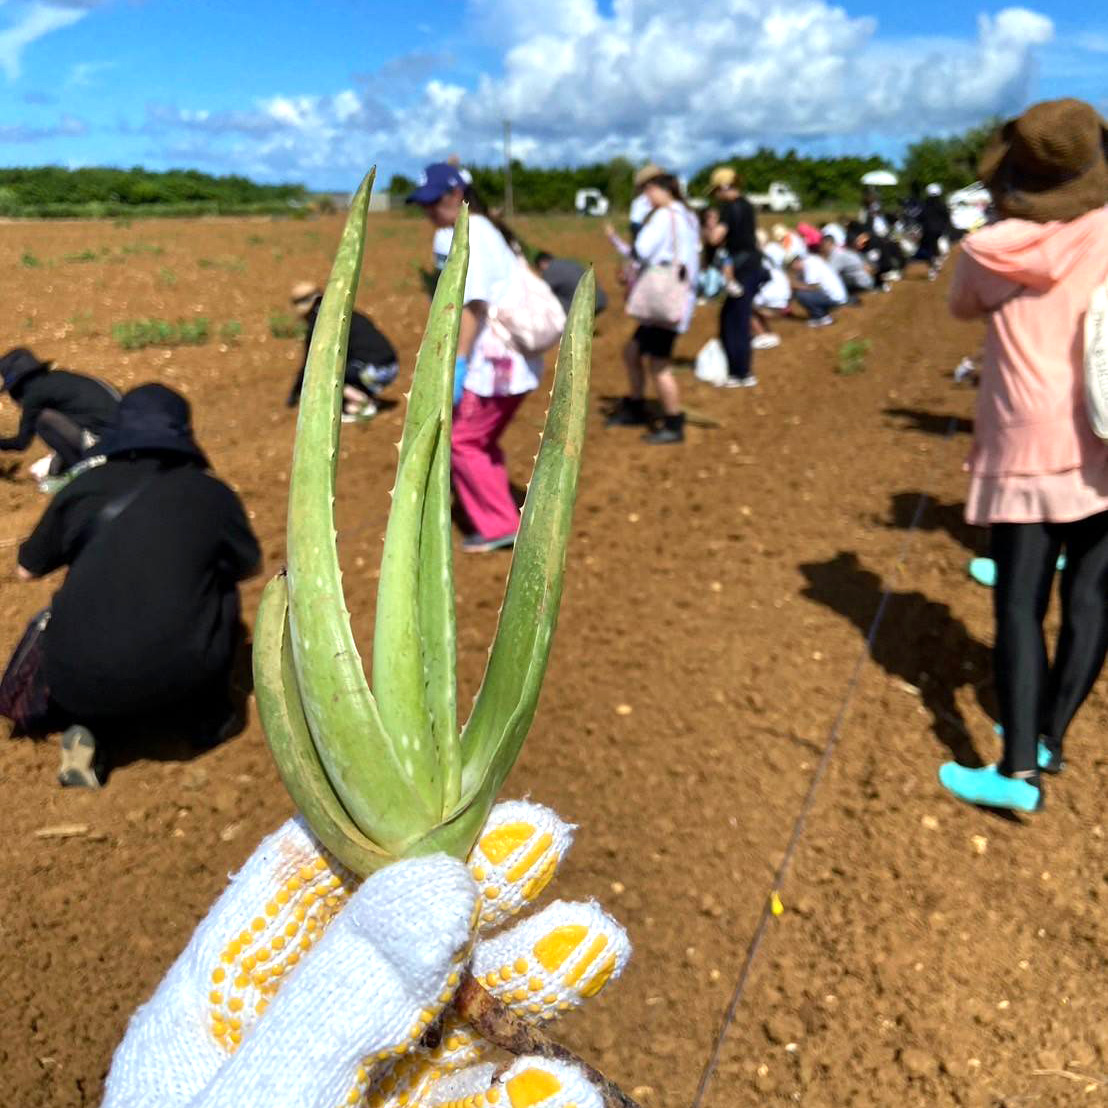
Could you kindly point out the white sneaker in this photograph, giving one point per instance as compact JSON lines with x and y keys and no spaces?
{"x":765,"y":342}
{"x":822,"y":321}
{"x":40,"y":470}
{"x":965,"y":368}
{"x":747,"y":382}
{"x":361,"y":415}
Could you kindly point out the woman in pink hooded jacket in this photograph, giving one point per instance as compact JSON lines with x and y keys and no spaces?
{"x":1039,"y":476}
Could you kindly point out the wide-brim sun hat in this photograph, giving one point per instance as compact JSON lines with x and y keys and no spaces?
{"x":151,"y":417}
{"x":1049,"y":163}
{"x":304,"y":295}
{"x":16,"y":365}
{"x":649,"y":172}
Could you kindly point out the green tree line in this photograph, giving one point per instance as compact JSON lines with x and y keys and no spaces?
{"x":46,"y":191}
{"x":820,"y":182}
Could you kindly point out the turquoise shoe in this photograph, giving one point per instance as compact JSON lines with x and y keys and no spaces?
{"x":989,"y":788}
{"x":1049,"y":759}
{"x":983,"y":570}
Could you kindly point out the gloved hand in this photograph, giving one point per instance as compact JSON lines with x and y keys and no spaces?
{"x":461,"y":368}
{"x":302,"y":989}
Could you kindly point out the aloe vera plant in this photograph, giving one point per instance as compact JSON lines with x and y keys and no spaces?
{"x":386,"y":772}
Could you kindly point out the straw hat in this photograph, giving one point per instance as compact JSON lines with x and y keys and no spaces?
{"x":722,"y":177}
{"x":304,"y":295}
{"x":1050,"y":163}
{"x":647,"y":174}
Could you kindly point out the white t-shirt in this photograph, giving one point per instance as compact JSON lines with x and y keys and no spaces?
{"x":495,"y":368}
{"x":776,"y":292}
{"x":440,"y":245}
{"x":672,"y":235}
{"x":640,"y":209}
{"x":776,"y":254}
{"x":818,"y":272}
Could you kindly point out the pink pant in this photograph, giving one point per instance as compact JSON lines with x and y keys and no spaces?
{"x":479,"y":473}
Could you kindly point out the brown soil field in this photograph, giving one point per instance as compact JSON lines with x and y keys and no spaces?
{"x":927,"y":953}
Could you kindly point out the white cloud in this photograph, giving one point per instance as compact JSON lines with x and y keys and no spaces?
{"x":84,"y":74}
{"x":67,"y":126}
{"x":32,"y":21}
{"x":677,"y":80}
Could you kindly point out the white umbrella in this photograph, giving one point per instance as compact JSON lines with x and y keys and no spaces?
{"x":880,"y":177}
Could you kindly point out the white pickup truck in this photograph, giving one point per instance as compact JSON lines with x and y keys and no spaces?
{"x":780,"y":198}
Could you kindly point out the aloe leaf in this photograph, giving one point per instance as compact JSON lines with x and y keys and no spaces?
{"x":509,"y":693}
{"x":286,"y":731}
{"x":432,"y":395}
{"x":397,"y":651}
{"x":360,"y":758}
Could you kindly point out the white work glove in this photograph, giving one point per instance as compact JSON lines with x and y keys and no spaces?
{"x":301,"y":989}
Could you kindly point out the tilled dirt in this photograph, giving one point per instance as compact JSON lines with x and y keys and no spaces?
{"x":719,"y":599}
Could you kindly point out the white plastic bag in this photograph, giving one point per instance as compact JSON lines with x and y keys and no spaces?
{"x":711,"y":363}
{"x":1096,"y":361}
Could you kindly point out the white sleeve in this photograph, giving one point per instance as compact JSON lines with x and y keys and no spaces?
{"x":654,"y":243}
{"x":479,"y":277}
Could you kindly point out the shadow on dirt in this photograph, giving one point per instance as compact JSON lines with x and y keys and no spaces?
{"x":936,"y":516}
{"x":931,"y":423}
{"x":919,"y":642}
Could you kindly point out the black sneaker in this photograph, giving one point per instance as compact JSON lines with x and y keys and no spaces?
{"x":629,"y":412}
{"x":79,"y":762}
{"x":672,"y":430}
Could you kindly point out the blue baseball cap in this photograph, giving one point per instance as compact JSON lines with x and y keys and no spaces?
{"x":435,"y":182}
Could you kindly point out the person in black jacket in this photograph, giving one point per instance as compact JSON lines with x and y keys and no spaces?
{"x":145,"y":627}
{"x":563,"y":275}
{"x":934,"y":227}
{"x":370,"y":357}
{"x":68,"y":411}
{"x":736,"y":233}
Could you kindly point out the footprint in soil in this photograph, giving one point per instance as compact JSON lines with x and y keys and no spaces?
{"x":919,"y":642}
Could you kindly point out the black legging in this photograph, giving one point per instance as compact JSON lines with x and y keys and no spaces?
{"x":1037,"y":698}
{"x":63,"y":436}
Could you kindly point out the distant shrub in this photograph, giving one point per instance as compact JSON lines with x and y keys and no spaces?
{"x":136,"y":334}
{"x":230,"y":331}
{"x":29,"y":260}
{"x":284,"y":326}
{"x":852,"y":357}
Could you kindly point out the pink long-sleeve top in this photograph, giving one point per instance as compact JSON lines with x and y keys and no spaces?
{"x":1035,"y":457}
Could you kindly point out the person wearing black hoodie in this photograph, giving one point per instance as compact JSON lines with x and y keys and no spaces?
{"x":145,"y":627}
{"x":68,"y":411}
{"x":371,"y":361}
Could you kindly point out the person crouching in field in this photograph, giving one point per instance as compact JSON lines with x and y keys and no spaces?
{"x":146,"y":624}
{"x":1038,"y":472}
{"x":817,"y":288}
{"x":68,"y":411}
{"x":491,"y":377}
{"x":563,"y":275}
{"x":371,"y":362}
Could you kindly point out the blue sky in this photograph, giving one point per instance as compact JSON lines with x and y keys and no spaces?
{"x":315,"y":91}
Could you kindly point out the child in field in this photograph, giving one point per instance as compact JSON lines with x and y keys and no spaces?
{"x":492,"y":378}
{"x":370,"y":358}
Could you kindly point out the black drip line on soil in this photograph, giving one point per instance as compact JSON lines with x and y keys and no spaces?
{"x":809,"y":800}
